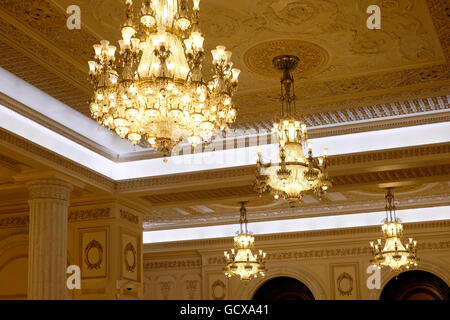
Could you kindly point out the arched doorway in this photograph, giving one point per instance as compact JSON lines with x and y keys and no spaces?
{"x":415,"y":285}
{"x":283,"y":288}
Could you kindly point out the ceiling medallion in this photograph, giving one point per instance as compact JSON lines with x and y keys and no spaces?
{"x":259,"y":58}
{"x":293,"y":174}
{"x":241,"y":261}
{"x":154,"y":89}
{"x":393,"y":253}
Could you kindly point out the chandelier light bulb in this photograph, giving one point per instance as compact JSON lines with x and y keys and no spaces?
{"x":196,"y":5}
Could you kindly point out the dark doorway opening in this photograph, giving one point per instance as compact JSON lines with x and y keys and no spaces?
{"x":283,"y":288}
{"x":415,"y":285}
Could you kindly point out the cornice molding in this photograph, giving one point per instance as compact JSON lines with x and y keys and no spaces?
{"x":164,"y":221}
{"x":49,"y":158}
{"x":55,"y":126}
{"x":172,"y":264}
{"x":247,"y":172}
{"x":152,"y":263}
{"x":126,"y":215}
{"x":76,"y":215}
{"x":265,"y":240}
{"x":333,"y":252}
{"x":15,"y":221}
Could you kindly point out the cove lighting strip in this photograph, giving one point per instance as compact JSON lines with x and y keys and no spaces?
{"x":38,"y":100}
{"x":350,"y":143}
{"x":296,"y":225}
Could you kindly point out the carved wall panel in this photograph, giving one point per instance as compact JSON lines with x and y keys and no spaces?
{"x":130,"y":256}
{"x":93,"y":252}
{"x":344,"y":281}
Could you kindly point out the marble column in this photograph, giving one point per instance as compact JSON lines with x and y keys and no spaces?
{"x":47,"y":254}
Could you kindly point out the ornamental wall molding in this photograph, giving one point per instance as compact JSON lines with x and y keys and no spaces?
{"x":76,"y":215}
{"x":14,"y":221}
{"x":333,"y":252}
{"x":129,"y":216}
{"x":172,"y":264}
{"x":415,"y":228}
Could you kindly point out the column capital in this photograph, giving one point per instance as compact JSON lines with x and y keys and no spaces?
{"x":50,"y":188}
{"x":48,"y":184}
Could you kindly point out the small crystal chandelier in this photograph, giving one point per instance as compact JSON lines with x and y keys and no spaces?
{"x":294,"y":173}
{"x":154,"y":89}
{"x":241,"y":261}
{"x":393,"y":254}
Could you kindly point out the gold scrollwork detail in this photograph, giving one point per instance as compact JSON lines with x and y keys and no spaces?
{"x":93,"y":244}
{"x":130,"y":248}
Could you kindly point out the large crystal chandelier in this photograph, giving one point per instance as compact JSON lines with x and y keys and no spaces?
{"x":393,"y":253}
{"x":241,"y":261}
{"x":154,"y":88}
{"x":293,"y":174}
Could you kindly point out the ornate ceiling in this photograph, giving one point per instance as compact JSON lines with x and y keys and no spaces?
{"x":347,"y":73}
{"x":343,"y":64}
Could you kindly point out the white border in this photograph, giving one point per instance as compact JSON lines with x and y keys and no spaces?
{"x":296,"y":225}
{"x":344,"y":144}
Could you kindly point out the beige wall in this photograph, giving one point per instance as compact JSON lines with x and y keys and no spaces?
{"x":104,"y":239}
{"x":193,"y":269}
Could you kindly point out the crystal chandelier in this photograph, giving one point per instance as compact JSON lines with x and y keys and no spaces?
{"x":241,"y":261}
{"x":154,"y":88}
{"x":393,"y":254}
{"x":293,"y":174}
